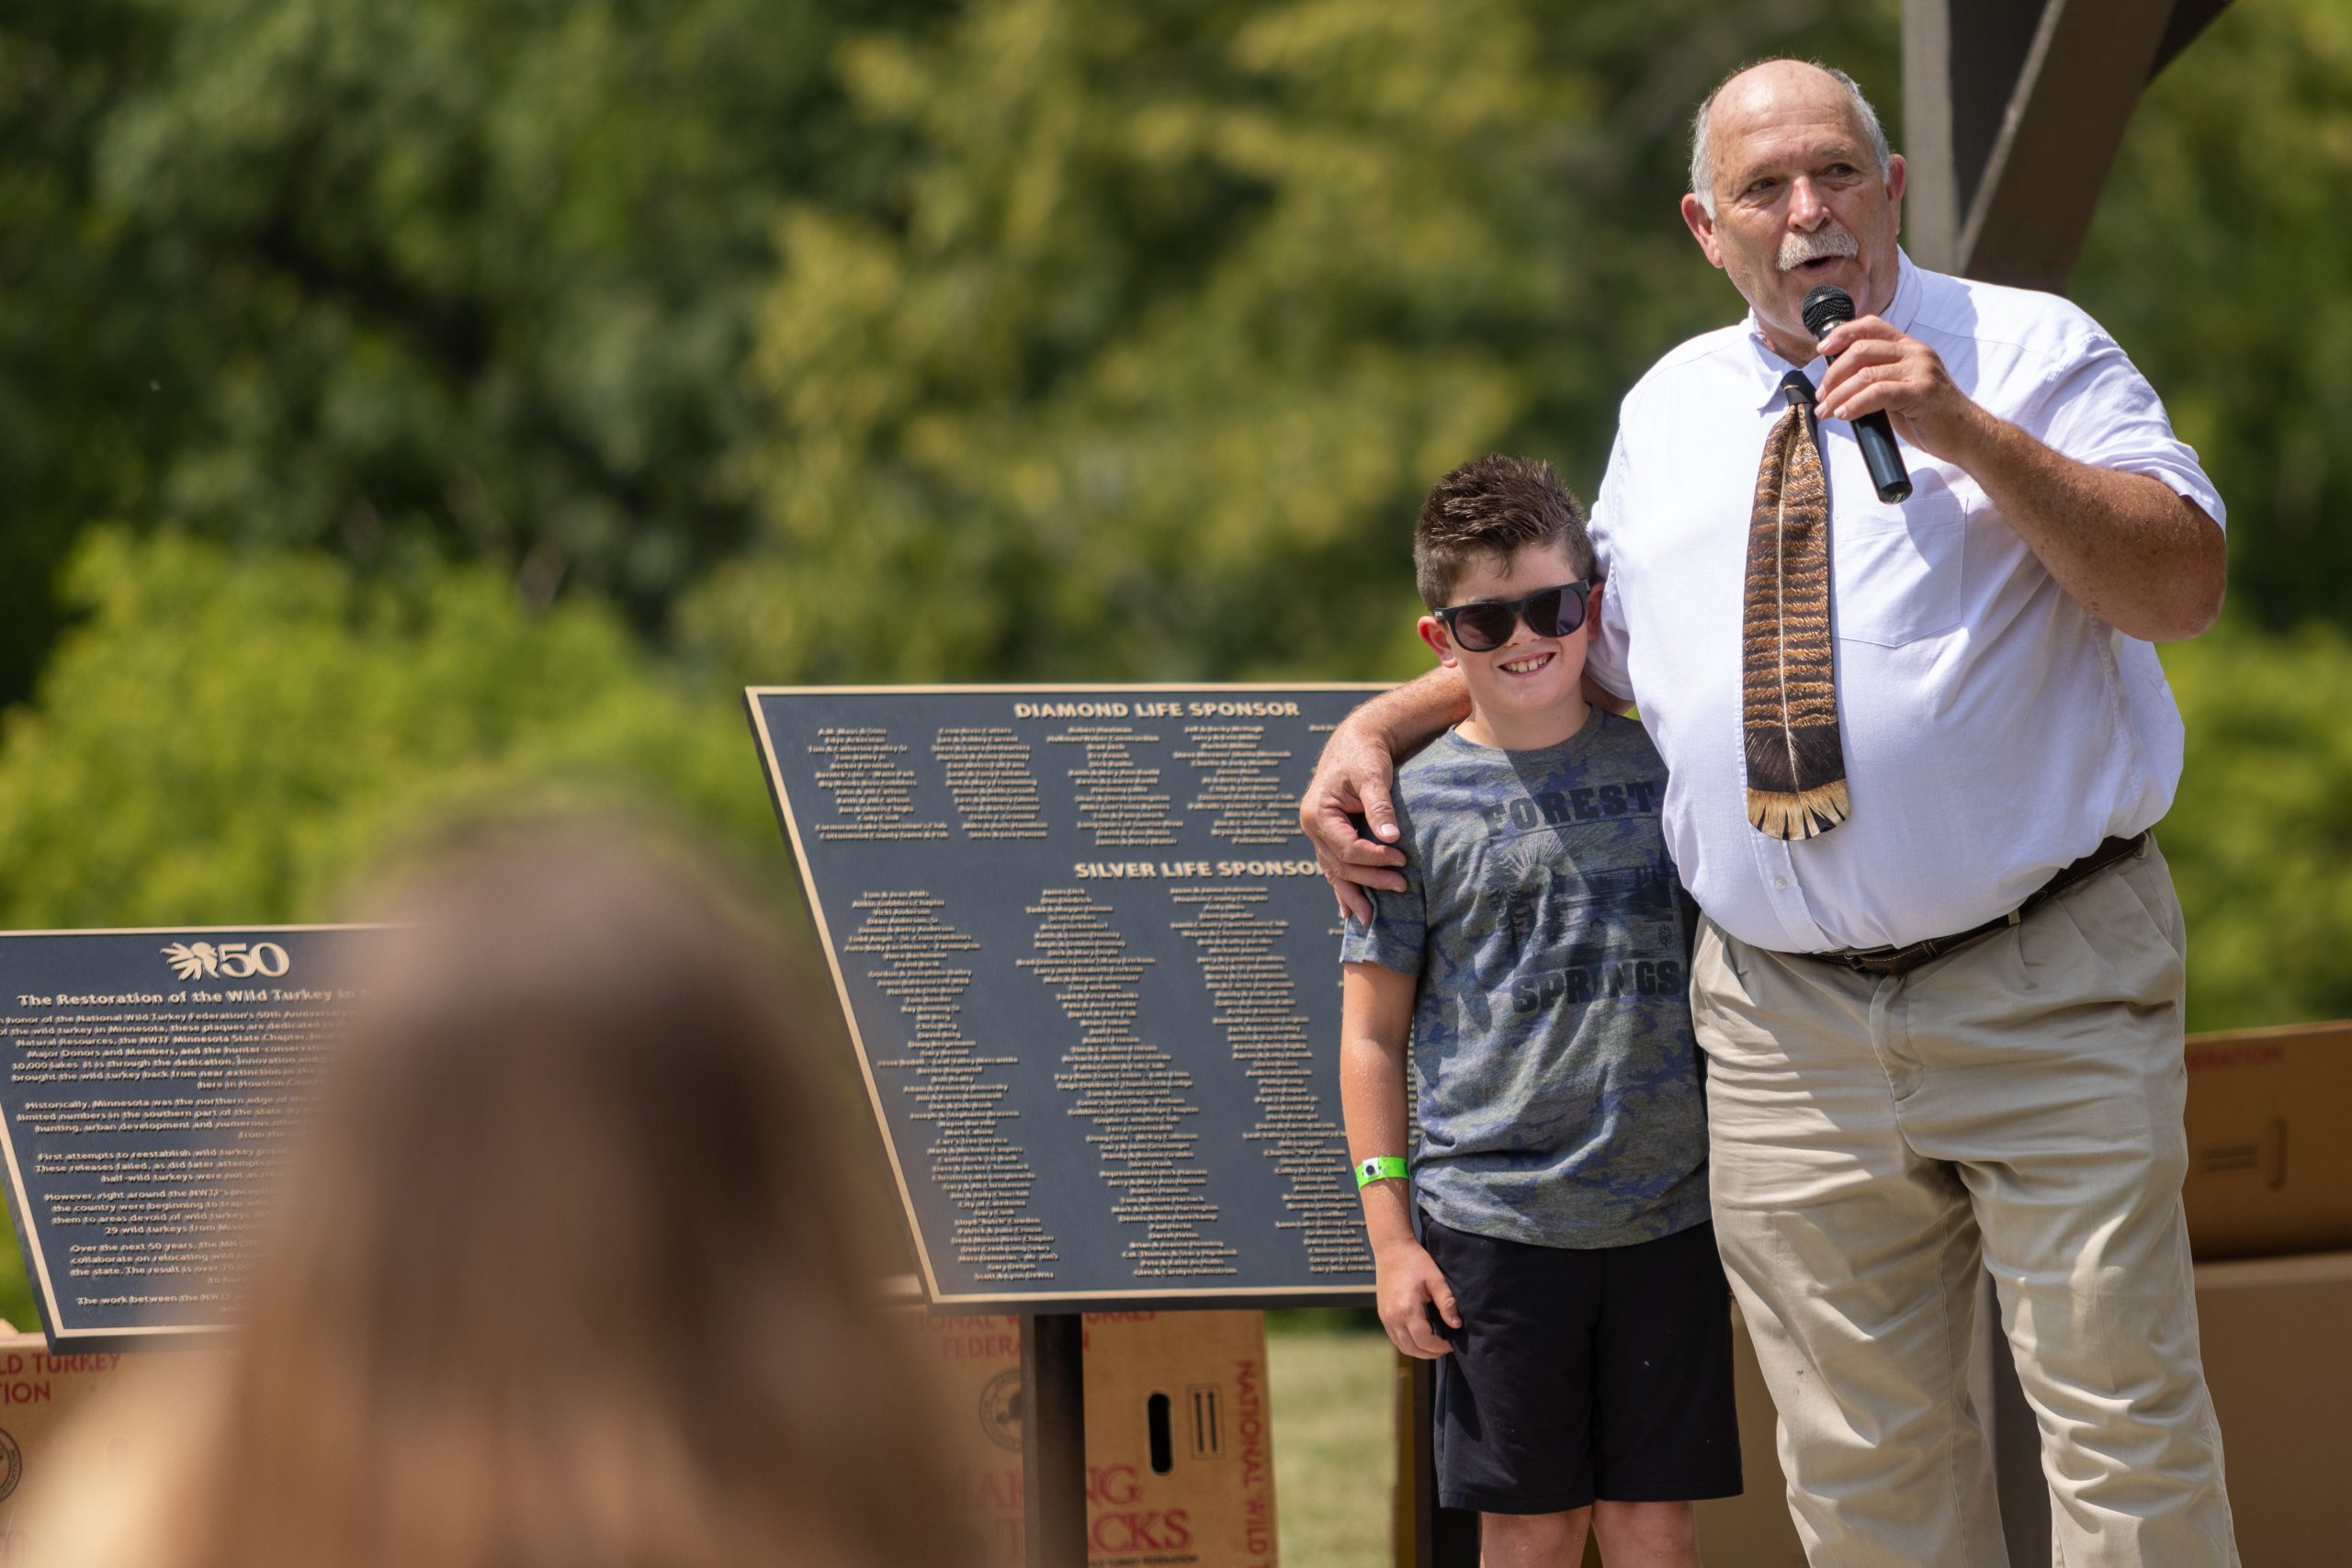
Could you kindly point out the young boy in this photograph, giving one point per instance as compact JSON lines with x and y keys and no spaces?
{"x":1537,"y":963}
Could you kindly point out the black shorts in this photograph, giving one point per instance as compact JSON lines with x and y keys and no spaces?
{"x":1581,"y":1374}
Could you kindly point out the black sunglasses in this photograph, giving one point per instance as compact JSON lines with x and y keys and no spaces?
{"x":1484,"y":624}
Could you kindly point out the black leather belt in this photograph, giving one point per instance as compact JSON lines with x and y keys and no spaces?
{"x":1903,"y":960}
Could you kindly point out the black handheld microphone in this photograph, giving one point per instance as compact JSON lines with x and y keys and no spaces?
{"x":1824,"y":309}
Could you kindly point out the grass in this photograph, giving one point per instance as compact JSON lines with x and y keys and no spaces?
{"x":1335,"y":1452}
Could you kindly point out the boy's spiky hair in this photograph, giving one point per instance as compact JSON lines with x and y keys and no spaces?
{"x":1489,"y":508}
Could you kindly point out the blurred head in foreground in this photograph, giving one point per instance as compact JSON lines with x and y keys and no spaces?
{"x":569,"y":1272}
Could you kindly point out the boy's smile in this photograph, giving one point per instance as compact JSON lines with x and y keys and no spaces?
{"x":1528,"y":692}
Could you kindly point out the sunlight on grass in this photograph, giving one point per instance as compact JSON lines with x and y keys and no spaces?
{"x":1334,"y":1453}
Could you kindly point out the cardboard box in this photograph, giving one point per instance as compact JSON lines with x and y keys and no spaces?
{"x":2269,"y":1168}
{"x":1179,"y":1443}
{"x":41,"y":1394}
{"x":2280,"y":1365}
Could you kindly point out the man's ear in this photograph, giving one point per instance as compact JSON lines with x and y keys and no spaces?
{"x":1702,"y":229}
{"x":1898,"y":175}
{"x":1432,"y":632}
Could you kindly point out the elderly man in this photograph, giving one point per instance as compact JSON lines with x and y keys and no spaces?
{"x":1915,"y":751}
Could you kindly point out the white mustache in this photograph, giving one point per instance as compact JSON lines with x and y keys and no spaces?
{"x":1796,"y":249}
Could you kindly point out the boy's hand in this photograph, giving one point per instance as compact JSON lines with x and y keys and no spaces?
{"x":1409,"y":1284}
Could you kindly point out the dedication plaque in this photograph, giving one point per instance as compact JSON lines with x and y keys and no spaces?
{"x":1092,"y":977}
{"x":150,"y":1080}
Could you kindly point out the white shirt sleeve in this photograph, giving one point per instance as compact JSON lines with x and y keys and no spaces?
{"x":2098,"y":409}
{"x":1605,"y":650}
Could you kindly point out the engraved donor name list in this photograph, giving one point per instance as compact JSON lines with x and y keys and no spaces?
{"x":1092,"y":974}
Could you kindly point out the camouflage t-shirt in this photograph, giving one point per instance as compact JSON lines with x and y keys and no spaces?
{"x":1560,"y":1101}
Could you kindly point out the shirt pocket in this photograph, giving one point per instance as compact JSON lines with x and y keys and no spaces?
{"x":1901,"y":571}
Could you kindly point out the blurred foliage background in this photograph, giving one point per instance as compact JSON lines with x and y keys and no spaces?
{"x":403,"y":407}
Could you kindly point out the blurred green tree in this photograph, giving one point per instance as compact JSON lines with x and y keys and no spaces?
{"x":472,"y":275}
{"x":2218,"y":259}
{"x":2261,"y":833}
{"x":79,"y":424}
{"x":229,"y":737}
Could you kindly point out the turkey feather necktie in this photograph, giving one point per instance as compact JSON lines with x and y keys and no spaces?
{"x":1797,"y":764}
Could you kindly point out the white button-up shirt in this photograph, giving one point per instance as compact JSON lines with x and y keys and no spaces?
{"x":1994,"y":729}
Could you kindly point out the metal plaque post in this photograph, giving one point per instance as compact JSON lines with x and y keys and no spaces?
{"x":1053,"y":1438}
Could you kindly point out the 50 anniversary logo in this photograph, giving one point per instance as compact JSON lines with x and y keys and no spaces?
{"x":228,"y":960}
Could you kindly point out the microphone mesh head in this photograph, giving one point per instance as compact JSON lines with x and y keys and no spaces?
{"x":1825,"y":308}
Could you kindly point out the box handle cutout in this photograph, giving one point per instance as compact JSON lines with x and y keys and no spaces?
{"x":1163,"y":1441}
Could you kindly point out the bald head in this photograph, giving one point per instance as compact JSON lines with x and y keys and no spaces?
{"x":1792,"y":187}
{"x":1756,"y":94}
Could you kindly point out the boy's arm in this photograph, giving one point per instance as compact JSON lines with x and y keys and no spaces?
{"x":1375,"y":1021}
{"x":1600,"y":696}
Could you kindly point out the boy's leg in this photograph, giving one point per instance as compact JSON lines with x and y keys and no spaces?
{"x":1514,"y":1395}
{"x":1666,"y":1428}
{"x":1646,"y":1535}
{"x":1532,"y":1541}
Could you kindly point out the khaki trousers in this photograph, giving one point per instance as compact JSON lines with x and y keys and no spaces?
{"x":2013,"y":1106}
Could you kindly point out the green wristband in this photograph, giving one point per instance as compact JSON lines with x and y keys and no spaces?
{"x":1379,"y":1167}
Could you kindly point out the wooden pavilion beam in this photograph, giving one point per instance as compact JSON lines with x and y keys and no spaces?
{"x":2189,"y":18}
{"x":2014,"y":111}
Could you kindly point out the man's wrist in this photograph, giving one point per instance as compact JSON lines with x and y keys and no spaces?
{"x":1405,"y":719}
{"x":1369,"y":724}
{"x":1976,"y":441}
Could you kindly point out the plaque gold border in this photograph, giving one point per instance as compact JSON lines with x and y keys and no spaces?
{"x":1210,"y":1295}
{"x":38,"y":1260}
